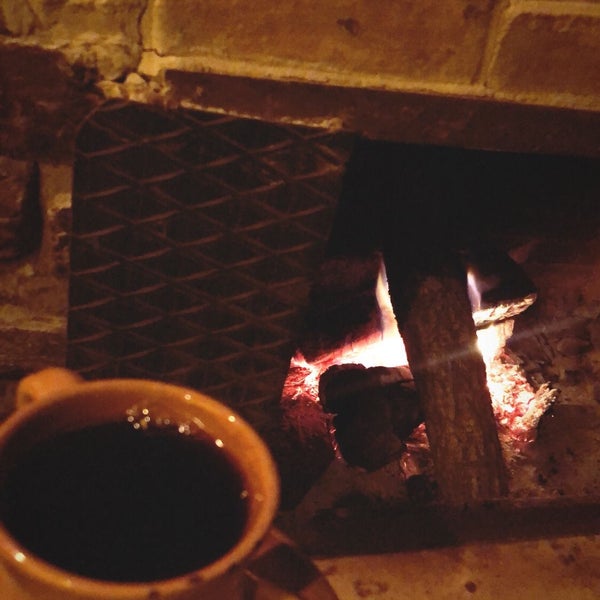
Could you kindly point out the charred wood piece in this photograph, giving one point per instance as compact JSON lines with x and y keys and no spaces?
{"x":498,"y":287}
{"x":343,"y":304}
{"x":375,"y":410}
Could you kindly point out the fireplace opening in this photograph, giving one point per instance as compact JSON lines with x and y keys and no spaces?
{"x":247,"y":258}
{"x":512,"y":219}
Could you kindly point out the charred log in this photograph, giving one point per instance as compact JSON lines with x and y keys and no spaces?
{"x":375,"y":410}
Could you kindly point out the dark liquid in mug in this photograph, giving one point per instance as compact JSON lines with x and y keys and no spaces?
{"x":121,"y":504}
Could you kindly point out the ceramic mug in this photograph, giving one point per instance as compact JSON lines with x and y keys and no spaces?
{"x":55,"y":401}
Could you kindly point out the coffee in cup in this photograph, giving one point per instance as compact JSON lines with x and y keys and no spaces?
{"x":127,"y":488}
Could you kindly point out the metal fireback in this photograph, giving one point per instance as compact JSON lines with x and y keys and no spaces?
{"x":194,"y":241}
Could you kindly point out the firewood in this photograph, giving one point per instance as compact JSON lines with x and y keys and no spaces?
{"x":375,"y":409}
{"x":435,"y":320}
{"x":498,"y":287}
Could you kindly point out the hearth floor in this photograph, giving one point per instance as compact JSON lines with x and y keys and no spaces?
{"x":555,"y":568}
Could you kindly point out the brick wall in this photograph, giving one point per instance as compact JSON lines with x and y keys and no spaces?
{"x":58,"y":59}
{"x":525,"y":51}
{"x":534,"y":51}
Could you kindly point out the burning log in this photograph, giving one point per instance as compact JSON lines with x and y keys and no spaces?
{"x":375,"y":410}
{"x":498,"y":287}
{"x":436,"y":323}
{"x":343,"y":305}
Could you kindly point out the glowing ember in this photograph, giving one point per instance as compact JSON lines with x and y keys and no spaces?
{"x":517,"y":406}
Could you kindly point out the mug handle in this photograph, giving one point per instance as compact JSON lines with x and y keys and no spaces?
{"x":43,"y":384}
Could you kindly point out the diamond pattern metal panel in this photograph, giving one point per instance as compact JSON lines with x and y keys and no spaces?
{"x":195,"y":237}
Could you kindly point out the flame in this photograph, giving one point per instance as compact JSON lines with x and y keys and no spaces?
{"x":473,"y":291}
{"x":492,"y":339}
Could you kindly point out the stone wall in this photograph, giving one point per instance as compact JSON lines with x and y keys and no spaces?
{"x":59,"y":59}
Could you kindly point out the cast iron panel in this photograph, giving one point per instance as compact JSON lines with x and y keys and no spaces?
{"x":195,"y":237}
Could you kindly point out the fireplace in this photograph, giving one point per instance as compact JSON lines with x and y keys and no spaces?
{"x":130,"y":154}
{"x":208,"y":250}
